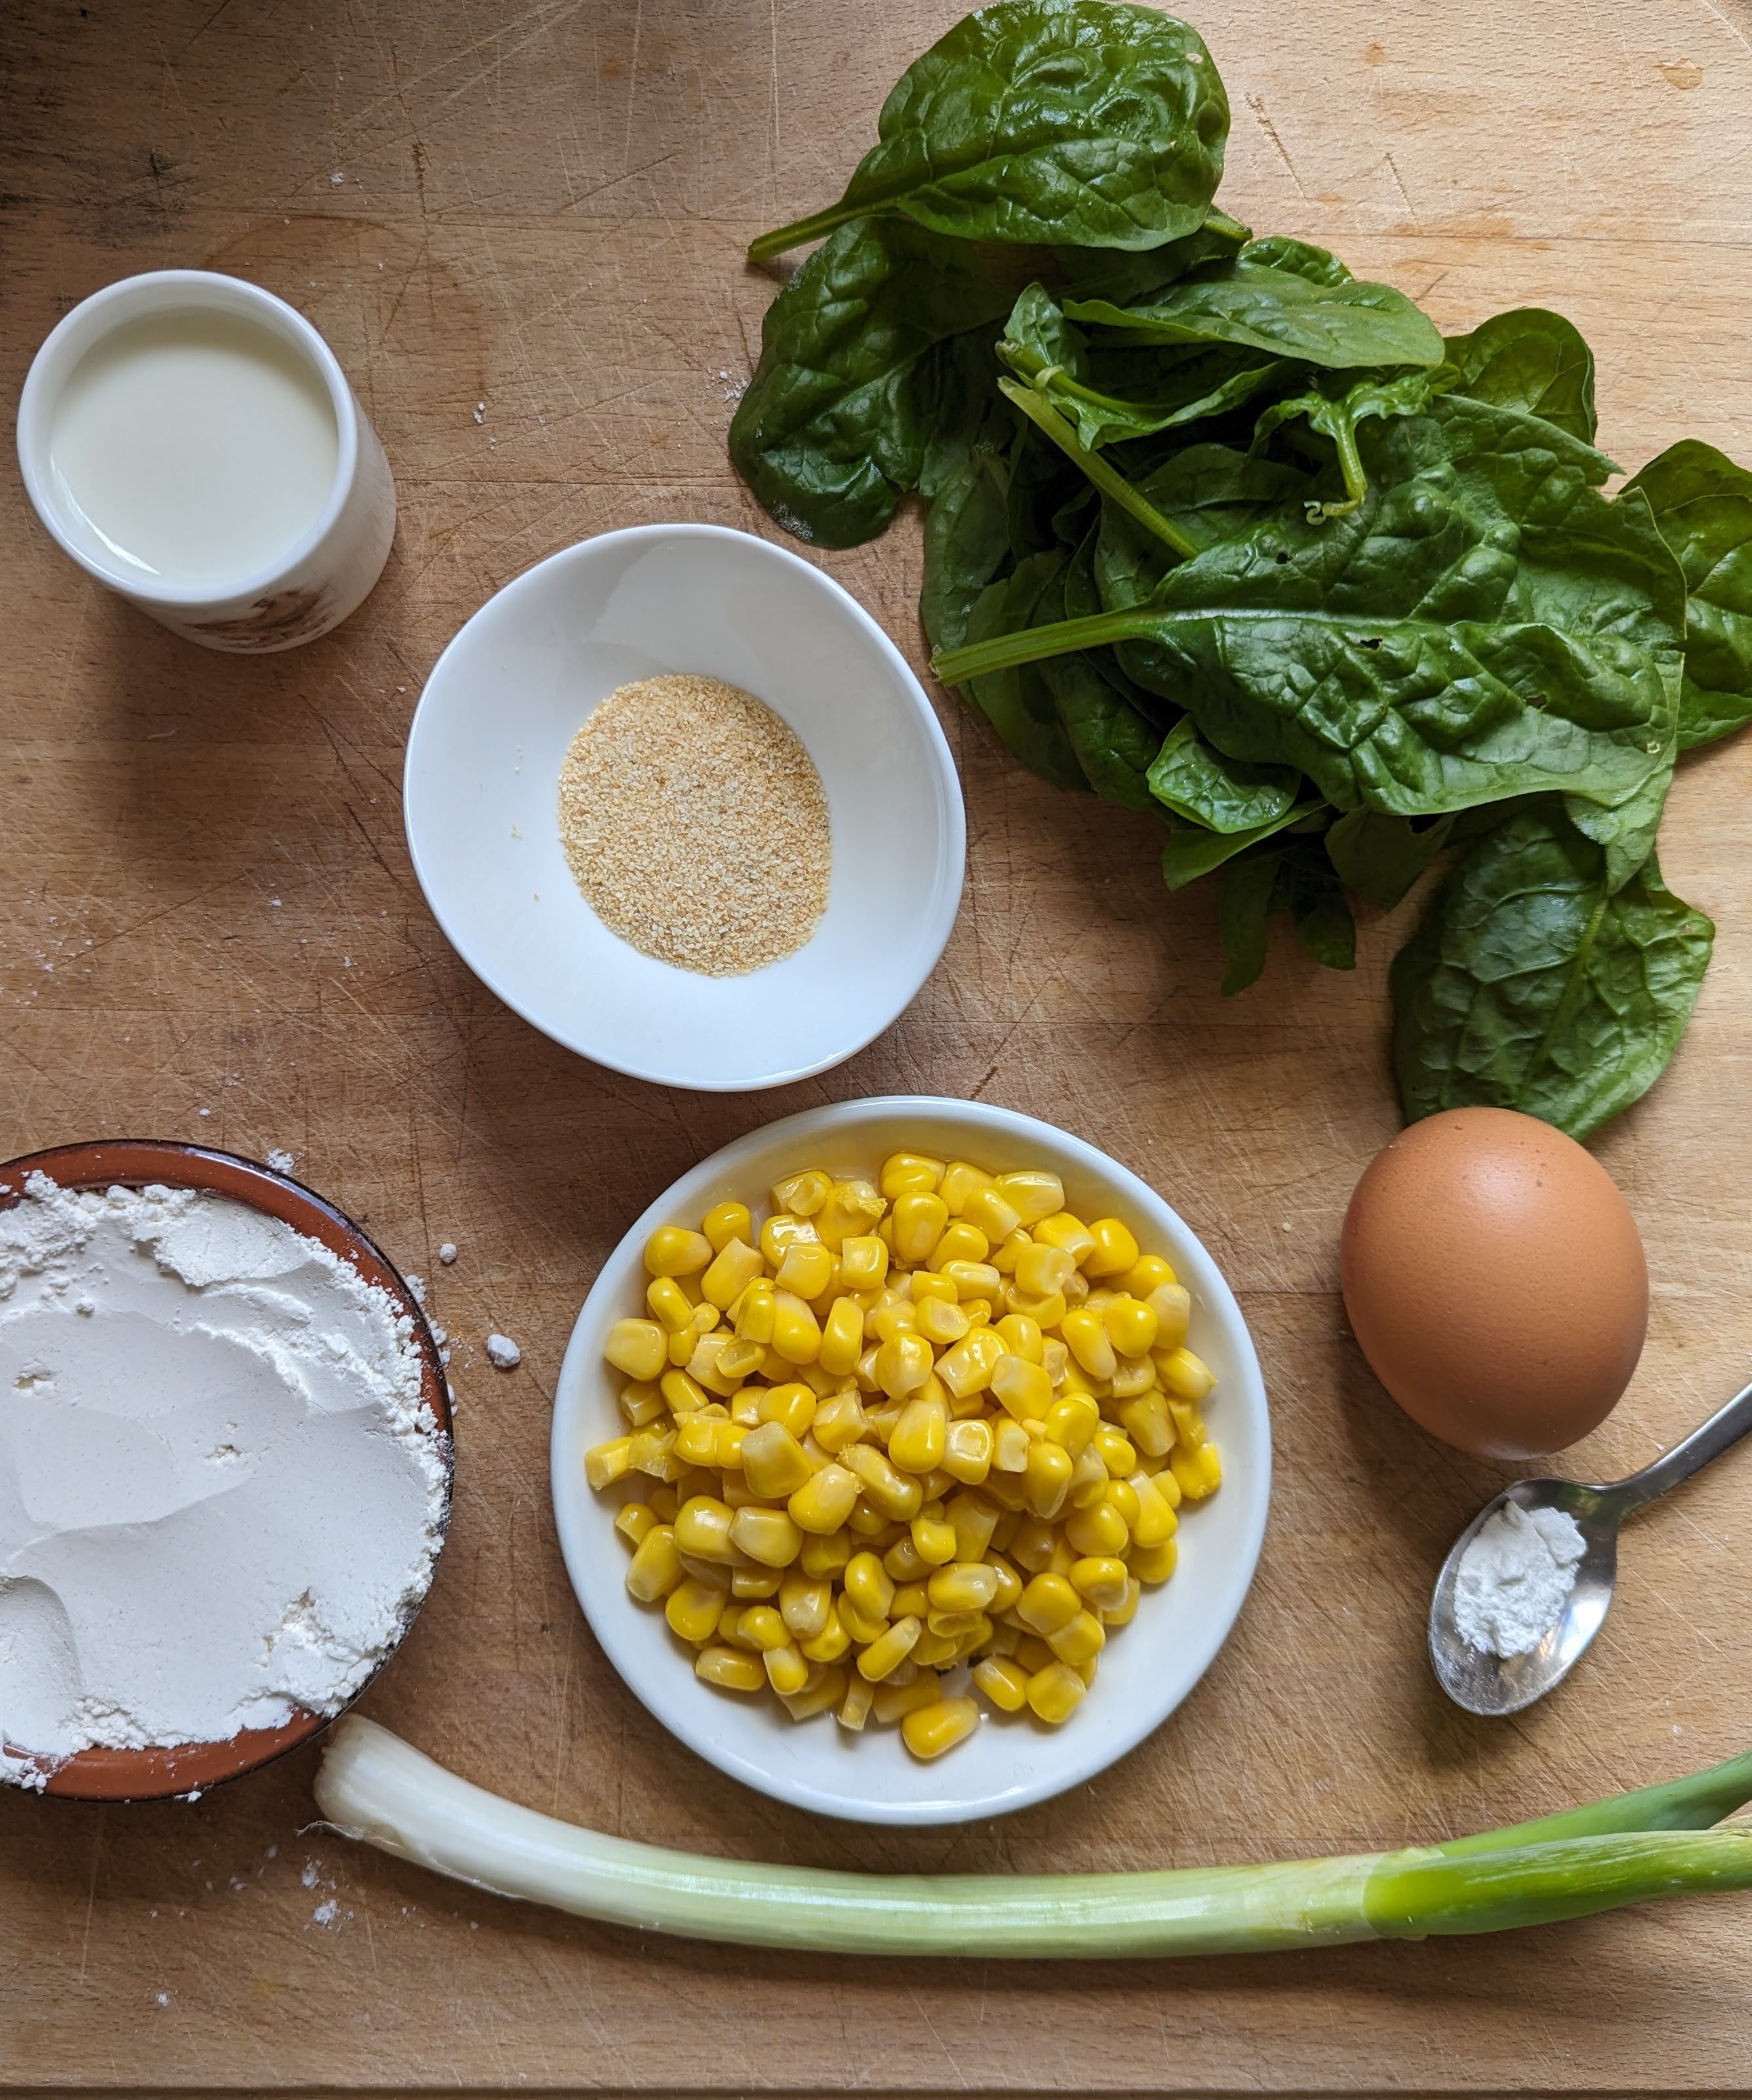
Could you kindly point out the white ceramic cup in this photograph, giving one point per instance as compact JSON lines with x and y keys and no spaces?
{"x":324,"y":577}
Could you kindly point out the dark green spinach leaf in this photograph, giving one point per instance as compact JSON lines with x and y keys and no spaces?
{"x":836,"y":424}
{"x":1532,"y":984}
{"x":1018,"y":702}
{"x":1702,"y":504}
{"x":1379,"y":857}
{"x":1198,"y":784}
{"x":1082,"y":123}
{"x":1531,"y":361}
{"x":1277,"y":309}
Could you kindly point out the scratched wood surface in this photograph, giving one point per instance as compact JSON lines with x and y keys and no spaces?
{"x":521,"y":231}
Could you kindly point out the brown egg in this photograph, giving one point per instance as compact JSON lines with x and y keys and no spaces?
{"x":1495,"y":1280}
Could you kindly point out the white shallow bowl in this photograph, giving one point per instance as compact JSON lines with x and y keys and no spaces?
{"x":1147,"y":1668}
{"x":481,"y":798}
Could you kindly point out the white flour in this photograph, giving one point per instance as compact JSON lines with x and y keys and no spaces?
{"x":220,"y":1493}
{"x":1516,"y":1577}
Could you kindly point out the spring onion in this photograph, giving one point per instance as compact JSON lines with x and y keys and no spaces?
{"x":1656,"y":1842}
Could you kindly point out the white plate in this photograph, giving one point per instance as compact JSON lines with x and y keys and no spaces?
{"x":1146,"y":1669}
{"x":481,"y":793}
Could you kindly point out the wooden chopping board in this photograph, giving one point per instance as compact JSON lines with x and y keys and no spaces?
{"x":522,"y":230}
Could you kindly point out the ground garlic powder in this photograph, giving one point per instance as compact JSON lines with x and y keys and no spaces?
{"x":695,"y":824}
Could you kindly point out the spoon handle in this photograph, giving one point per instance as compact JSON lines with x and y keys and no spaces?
{"x":1721,"y":1430}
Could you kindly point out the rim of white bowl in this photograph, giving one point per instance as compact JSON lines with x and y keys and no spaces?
{"x":685,"y":1706}
{"x":945,"y":906}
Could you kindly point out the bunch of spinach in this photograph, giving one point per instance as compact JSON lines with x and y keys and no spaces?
{"x":1224,"y":534}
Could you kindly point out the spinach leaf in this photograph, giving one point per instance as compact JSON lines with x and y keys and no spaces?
{"x":1114,"y":739}
{"x":1289,"y":875}
{"x":1075,"y":122}
{"x":1243,"y":915}
{"x":1200,"y":784}
{"x":835,"y":426}
{"x":1485,"y":625}
{"x":1335,"y":405}
{"x":1531,"y":361}
{"x":1117,"y":273}
{"x":1042,"y":347}
{"x":1017,"y":702}
{"x":1532,"y":984}
{"x":1380,"y":857}
{"x":967,"y":543}
{"x":1191,"y":852}
{"x":1277,"y":309}
{"x":1702,"y":504}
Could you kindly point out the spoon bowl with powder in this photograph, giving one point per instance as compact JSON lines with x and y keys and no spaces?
{"x":1527,"y":1583}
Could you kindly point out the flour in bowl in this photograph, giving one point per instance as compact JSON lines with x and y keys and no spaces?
{"x":221,"y":1490}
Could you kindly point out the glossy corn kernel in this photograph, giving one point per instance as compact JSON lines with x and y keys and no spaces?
{"x":1155,"y":1520}
{"x":655,"y":1567}
{"x":787,"y":1670}
{"x":853,"y":1709}
{"x":842,"y":1337}
{"x":669,"y":1305}
{"x":802,"y":1193}
{"x":831,"y":1642}
{"x":797,"y":1333}
{"x":1115,"y":1251}
{"x":766,"y":1535}
{"x":824,"y":1553}
{"x":1056,"y":1691}
{"x":941,"y":1323}
{"x":1184,"y":1376}
{"x":639,"y":1347}
{"x":963,"y":1587}
{"x":753,"y":1584}
{"x":933,"y":1539}
{"x":693,"y":1609}
{"x":606,"y":1463}
{"x":1021,"y":1387}
{"x":732,"y":1269}
{"x":1033,"y":1193}
{"x":928,"y":1731}
{"x":673,"y":1250}
{"x":702,"y":1529}
{"x":1147,"y":1423}
{"x":851,"y":1211}
{"x":890,"y":1649}
{"x":821,"y":1505}
{"x":1042,"y":1270}
{"x":909,"y":1173}
{"x":967,"y":1451}
{"x":761,"y":1627}
{"x":1003,"y":1683}
{"x":1010,"y":1446}
{"x":903,"y":1365}
{"x":1131,"y":1325}
{"x":1155,"y":1564}
{"x":1102,"y":1582}
{"x":966,"y":1367}
{"x":1021,"y":1337}
{"x":903,"y":1694}
{"x":1072,"y":1422}
{"x":959,"y":1241}
{"x":864,"y":1262}
{"x":731,"y":1669}
{"x":640,"y":1403}
{"x":1046,"y":1476}
{"x":774,"y":1463}
{"x":1078,"y":1640}
{"x":634,"y":1520}
{"x":1087,"y":1339}
{"x":1099,"y":1531}
{"x":897,"y":1495}
{"x":991,"y":1213}
{"x":1122,"y":1613}
{"x":725,"y":1222}
{"x":920,"y":1437}
{"x":921,"y":1220}
{"x":807,"y":1269}
{"x":1199,"y":1473}
{"x":1063,"y":1229}
{"x":804,"y":1604}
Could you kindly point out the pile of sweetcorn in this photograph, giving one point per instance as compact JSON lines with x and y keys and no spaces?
{"x":929,"y":1421}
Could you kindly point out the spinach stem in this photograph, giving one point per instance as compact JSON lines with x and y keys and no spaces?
{"x":1040,"y":413}
{"x":766,"y":246}
{"x":1032,"y":644}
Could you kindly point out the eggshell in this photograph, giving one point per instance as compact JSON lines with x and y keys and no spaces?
{"x":1495,"y":1280}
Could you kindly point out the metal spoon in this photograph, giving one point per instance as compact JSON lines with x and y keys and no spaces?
{"x":1485,"y":1684}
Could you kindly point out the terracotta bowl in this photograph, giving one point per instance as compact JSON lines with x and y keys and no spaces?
{"x":190,"y":1768}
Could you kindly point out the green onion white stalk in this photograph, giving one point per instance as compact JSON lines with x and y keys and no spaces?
{"x":1657,"y":1842}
